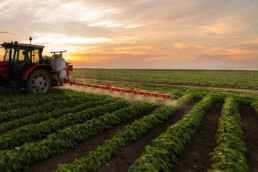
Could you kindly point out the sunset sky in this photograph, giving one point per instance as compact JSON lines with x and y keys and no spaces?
{"x":171,"y":34}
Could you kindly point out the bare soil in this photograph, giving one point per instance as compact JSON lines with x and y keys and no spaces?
{"x":250,"y":127}
{"x":196,"y":156}
{"x":127,"y":155}
{"x":82,"y":149}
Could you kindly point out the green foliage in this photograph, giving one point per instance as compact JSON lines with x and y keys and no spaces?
{"x":236,"y":79}
{"x":133,"y":132}
{"x":229,"y":154}
{"x":67,"y":106}
{"x":162,"y":154}
{"x":22,"y":157}
{"x":12,"y":101}
{"x":36,"y":131}
{"x":43,"y":108}
{"x":184,"y":100}
{"x":69,"y":122}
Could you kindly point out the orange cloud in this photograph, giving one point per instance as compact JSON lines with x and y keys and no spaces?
{"x":187,"y":46}
{"x":226,"y":25}
{"x":233,"y":53}
{"x":140,"y":33}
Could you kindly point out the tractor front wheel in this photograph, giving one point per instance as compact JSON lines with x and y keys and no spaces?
{"x":39,"y":81}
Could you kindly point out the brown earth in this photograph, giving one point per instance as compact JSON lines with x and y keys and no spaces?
{"x":80,"y":150}
{"x":250,"y":127}
{"x":196,"y":155}
{"x":127,"y":155}
{"x":83,"y":148}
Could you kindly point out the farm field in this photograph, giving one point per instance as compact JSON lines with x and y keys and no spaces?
{"x":67,"y":130}
{"x":228,"y":79}
{"x":128,"y":86}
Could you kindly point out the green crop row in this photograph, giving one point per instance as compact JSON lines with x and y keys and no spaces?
{"x":16,"y":102}
{"x":33,"y":100}
{"x":229,"y":154}
{"x":22,"y":157}
{"x":72,"y":107}
{"x":9,"y":95}
{"x":218,"y":95}
{"x":37,"y":131}
{"x":135,"y":131}
{"x":43,"y":108}
{"x":243,"y":98}
{"x":162,"y":154}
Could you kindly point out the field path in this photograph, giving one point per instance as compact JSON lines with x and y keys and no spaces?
{"x":127,"y":155}
{"x":240,"y":90}
{"x":250,"y":127}
{"x":196,"y":155}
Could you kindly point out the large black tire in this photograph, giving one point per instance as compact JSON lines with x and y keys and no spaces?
{"x":39,"y":81}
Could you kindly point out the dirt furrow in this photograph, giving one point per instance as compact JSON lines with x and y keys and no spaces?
{"x":127,"y":155}
{"x":250,"y":127}
{"x":196,"y":156}
{"x":80,"y":150}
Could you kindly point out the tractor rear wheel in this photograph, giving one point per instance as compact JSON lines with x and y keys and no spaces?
{"x":39,"y":81}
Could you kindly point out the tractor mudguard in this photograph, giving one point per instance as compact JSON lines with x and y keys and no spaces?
{"x":31,"y":69}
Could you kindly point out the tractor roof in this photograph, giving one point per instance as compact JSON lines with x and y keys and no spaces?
{"x":20,"y":45}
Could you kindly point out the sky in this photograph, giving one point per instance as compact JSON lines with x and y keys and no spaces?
{"x":158,"y":34}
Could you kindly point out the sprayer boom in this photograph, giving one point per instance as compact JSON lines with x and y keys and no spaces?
{"x":123,"y":90}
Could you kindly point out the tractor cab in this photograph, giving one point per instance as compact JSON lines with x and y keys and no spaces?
{"x":20,"y":57}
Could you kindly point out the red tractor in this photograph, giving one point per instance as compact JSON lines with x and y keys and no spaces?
{"x":24,"y":67}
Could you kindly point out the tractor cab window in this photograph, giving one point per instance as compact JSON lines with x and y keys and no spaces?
{"x":5,"y":54}
{"x":22,"y":55}
{"x":2,"y":54}
{"x":35,"y":56}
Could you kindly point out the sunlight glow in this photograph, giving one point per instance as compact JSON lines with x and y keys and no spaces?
{"x":106,"y":23}
{"x":59,"y":39}
{"x":73,"y":11}
{"x":140,"y":33}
